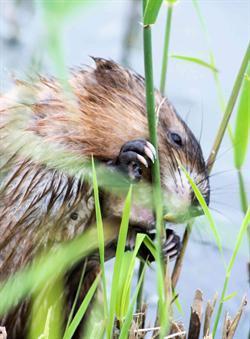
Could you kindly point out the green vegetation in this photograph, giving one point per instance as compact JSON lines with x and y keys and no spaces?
{"x":42,"y":281}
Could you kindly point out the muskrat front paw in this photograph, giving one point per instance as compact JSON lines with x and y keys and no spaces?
{"x":133,"y":156}
{"x":172,"y":245}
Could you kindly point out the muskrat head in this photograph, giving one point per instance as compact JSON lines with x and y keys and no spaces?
{"x":179,"y":147}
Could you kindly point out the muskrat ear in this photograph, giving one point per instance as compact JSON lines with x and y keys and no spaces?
{"x":109,"y":73}
{"x":104,"y":64}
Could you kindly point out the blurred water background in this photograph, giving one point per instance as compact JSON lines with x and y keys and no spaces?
{"x":112,"y":29}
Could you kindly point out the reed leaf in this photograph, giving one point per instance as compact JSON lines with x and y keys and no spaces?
{"x":150,"y":245}
{"x":230,"y":296}
{"x":47,"y":306}
{"x":241,"y":135}
{"x":82,"y":310}
{"x":165,"y":49}
{"x":195,"y":60}
{"x":100,"y":234}
{"x":120,"y":249}
{"x":72,"y":311}
{"x":126,"y":284}
{"x":53,"y":263}
{"x":151,"y":11}
{"x":205,"y":209}
{"x":129,"y":316}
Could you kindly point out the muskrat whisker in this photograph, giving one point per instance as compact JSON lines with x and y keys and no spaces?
{"x":220,"y":213}
{"x":224,"y":192}
{"x":209,"y":176}
{"x":177,"y":166}
{"x":172,"y":172}
{"x":221,"y":191}
{"x":221,"y":154}
{"x":224,"y":204}
{"x":222,"y":172}
{"x":202,"y":124}
{"x":186,"y":116}
{"x":195,"y":158}
{"x":230,"y":185}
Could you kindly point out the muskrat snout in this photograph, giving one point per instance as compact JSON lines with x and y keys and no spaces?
{"x":181,"y":201}
{"x":179,"y":150}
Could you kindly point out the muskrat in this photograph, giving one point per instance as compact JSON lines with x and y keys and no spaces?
{"x":104,"y":118}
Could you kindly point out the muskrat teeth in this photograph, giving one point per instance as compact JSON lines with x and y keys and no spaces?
{"x":152,"y":148}
{"x":149,"y":153}
{"x":142,"y":160}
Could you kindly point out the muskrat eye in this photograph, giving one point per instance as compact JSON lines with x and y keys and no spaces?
{"x":74,"y":215}
{"x":176,"y":139}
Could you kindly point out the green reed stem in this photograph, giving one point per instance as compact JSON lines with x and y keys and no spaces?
{"x":166,"y":48}
{"x":243,"y":194}
{"x":240,"y":236}
{"x":229,"y":110}
{"x":150,"y":105}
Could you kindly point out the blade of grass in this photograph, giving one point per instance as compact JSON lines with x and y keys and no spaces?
{"x":121,"y":242}
{"x":240,"y":236}
{"x":150,"y":245}
{"x":53,"y":263}
{"x":121,"y":303}
{"x":129,"y":316}
{"x":195,"y":60}
{"x":241,"y":135}
{"x":72,"y":311}
{"x":152,"y":8}
{"x":152,"y":248}
{"x":97,"y":331}
{"x":47,"y":305}
{"x":100,"y":234}
{"x":81,"y":311}
{"x":129,"y":275}
{"x":243,"y":195}
{"x":230,"y":296}
{"x":177,"y":303}
{"x":205,"y":209}
{"x":166,"y":48}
